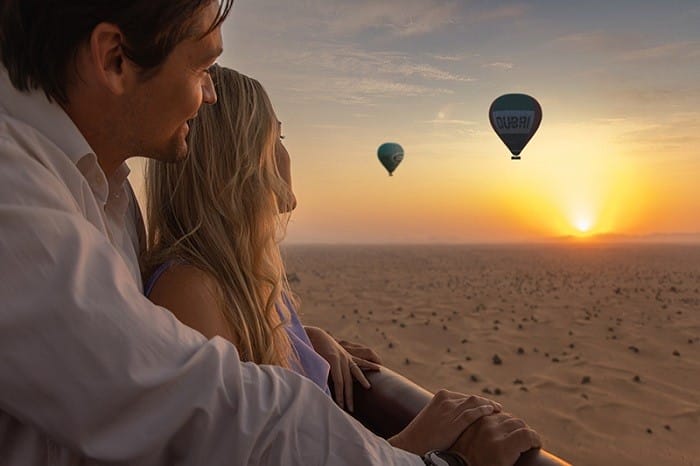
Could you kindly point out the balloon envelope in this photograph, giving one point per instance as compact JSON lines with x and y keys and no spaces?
{"x":390,"y":155}
{"x":515,"y":118}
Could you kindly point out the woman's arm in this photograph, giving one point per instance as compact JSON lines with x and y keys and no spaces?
{"x":193,"y":296}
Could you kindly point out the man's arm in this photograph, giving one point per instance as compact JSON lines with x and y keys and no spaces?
{"x":85,"y":358}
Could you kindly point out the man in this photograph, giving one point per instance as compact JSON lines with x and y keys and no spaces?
{"x":90,"y":371}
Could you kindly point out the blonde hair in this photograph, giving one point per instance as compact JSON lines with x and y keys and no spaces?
{"x":218,"y":210}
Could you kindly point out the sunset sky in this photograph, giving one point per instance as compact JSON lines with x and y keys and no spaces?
{"x":617,"y":150}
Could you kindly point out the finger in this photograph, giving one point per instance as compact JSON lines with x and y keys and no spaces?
{"x":522,"y":440}
{"x":470,"y":416}
{"x":367,"y":353}
{"x":337,"y":376}
{"x":366,"y":365}
{"x":349,"y":345}
{"x":347,"y":383}
{"x":474,"y":401}
{"x":373,"y":356}
{"x":512,"y":424}
{"x":359,"y":375}
{"x":498,"y":406}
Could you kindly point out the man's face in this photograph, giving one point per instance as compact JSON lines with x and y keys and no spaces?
{"x":160,"y":107}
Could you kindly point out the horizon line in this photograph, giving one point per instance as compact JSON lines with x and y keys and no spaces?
{"x":599,"y":238}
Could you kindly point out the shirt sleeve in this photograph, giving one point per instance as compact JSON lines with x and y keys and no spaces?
{"x":89,"y":361}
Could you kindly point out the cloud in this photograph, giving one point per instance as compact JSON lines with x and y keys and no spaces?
{"x":331,"y":126}
{"x":499,"y":65}
{"x":662,"y":97}
{"x":365,"y":91}
{"x":673,"y":50}
{"x":611,"y":120}
{"x":399,"y":17}
{"x":453,"y":58}
{"x":428,"y":72}
{"x":625,"y":47}
{"x":376,"y":87}
{"x":674,"y":132}
{"x":504,"y":12}
{"x":442,"y":121}
{"x":590,"y":41}
{"x":350,"y":60}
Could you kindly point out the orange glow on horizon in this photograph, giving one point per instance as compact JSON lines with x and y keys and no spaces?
{"x":574,"y":180}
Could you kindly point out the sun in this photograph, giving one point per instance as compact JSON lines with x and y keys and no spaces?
{"x":583,"y":224}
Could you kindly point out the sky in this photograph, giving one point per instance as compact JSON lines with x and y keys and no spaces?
{"x":617,"y":151}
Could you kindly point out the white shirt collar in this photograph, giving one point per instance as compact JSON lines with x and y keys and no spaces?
{"x":49,"y":118}
{"x":35,"y":109}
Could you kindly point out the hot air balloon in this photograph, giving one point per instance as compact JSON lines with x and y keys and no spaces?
{"x":390,"y":155}
{"x":515,"y":118}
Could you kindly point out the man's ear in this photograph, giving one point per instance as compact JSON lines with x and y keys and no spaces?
{"x":111,"y":67}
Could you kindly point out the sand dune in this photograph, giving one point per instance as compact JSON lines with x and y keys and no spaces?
{"x":596,"y":346}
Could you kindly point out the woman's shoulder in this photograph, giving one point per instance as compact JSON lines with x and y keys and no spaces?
{"x":186,"y":279}
{"x":183,"y":270}
{"x":194,"y":296}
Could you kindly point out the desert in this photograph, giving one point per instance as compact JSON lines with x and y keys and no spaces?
{"x":596,"y":346}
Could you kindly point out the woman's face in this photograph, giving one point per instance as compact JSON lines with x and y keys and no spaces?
{"x":285,"y":169}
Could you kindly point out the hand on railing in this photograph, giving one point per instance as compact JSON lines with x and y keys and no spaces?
{"x":496,"y":440}
{"x":394,"y":401}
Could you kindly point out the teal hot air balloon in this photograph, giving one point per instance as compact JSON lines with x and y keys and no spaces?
{"x":390,"y":155}
{"x":515,"y":118}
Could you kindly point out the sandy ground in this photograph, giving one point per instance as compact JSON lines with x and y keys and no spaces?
{"x":595,"y":346}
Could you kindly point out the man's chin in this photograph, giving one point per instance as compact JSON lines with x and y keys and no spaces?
{"x":175,"y":153}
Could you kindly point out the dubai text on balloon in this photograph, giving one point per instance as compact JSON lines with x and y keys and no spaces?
{"x":515,"y":118}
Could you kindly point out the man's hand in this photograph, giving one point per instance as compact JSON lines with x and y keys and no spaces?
{"x":442,"y":421}
{"x":496,"y":440}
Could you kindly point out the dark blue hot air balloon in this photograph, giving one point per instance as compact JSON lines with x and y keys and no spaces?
{"x":515,"y":118}
{"x":390,"y":155}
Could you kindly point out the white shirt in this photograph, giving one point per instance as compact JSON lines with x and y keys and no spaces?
{"x":91,"y":372}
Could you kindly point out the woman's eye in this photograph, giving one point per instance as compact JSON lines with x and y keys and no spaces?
{"x":280,"y":129}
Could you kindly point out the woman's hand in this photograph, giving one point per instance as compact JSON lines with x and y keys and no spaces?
{"x":443,"y":421}
{"x":344,"y":366}
{"x":363,"y":352}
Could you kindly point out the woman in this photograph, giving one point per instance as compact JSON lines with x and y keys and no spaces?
{"x":215,"y":221}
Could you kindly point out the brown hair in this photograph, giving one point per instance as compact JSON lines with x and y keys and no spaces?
{"x":39,"y":38}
